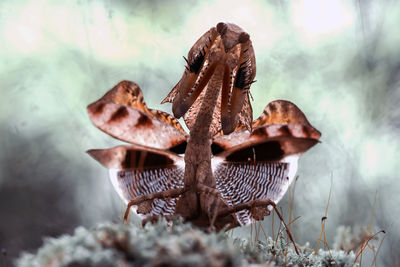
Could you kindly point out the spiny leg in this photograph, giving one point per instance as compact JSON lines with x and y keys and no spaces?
{"x":171,"y":193}
{"x":253,"y":204}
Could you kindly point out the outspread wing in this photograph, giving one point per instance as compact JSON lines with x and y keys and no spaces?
{"x":123,"y":114}
{"x":135,"y":171}
{"x":241,"y":182}
{"x":281,"y":121}
{"x":263,"y":163}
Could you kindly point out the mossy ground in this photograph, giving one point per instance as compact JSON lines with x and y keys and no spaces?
{"x":177,"y":245}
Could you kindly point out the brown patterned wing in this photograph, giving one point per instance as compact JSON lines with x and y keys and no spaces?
{"x":123,"y":114}
{"x":282,"y":112}
{"x":282,"y":122}
{"x":128,"y":94}
{"x":263,"y":163}
{"x":136,"y":171}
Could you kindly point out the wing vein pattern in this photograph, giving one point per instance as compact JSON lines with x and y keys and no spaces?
{"x":138,"y":182}
{"x":242,"y":182}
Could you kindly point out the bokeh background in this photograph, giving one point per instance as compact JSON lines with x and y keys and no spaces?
{"x":339,"y":61}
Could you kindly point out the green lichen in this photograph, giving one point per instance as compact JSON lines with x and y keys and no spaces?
{"x":177,"y":245}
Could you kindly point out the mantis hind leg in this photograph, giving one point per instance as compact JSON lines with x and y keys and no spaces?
{"x":263,"y":203}
{"x":171,"y":193}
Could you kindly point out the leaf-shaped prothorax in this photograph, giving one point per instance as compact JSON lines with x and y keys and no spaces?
{"x":227,"y":49}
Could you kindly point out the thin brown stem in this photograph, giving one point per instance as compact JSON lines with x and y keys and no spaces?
{"x":365,"y":244}
{"x":377,"y":252}
{"x":258,"y":203}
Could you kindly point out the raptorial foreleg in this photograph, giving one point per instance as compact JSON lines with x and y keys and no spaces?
{"x":171,"y":193}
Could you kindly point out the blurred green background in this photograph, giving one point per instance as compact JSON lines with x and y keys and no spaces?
{"x":339,"y":61}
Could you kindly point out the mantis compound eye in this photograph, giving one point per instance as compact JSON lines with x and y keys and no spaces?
{"x":195,"y":66}
{"x":242,"y":80}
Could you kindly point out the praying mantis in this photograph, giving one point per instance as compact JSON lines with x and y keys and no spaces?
{"x":230,"y":170}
